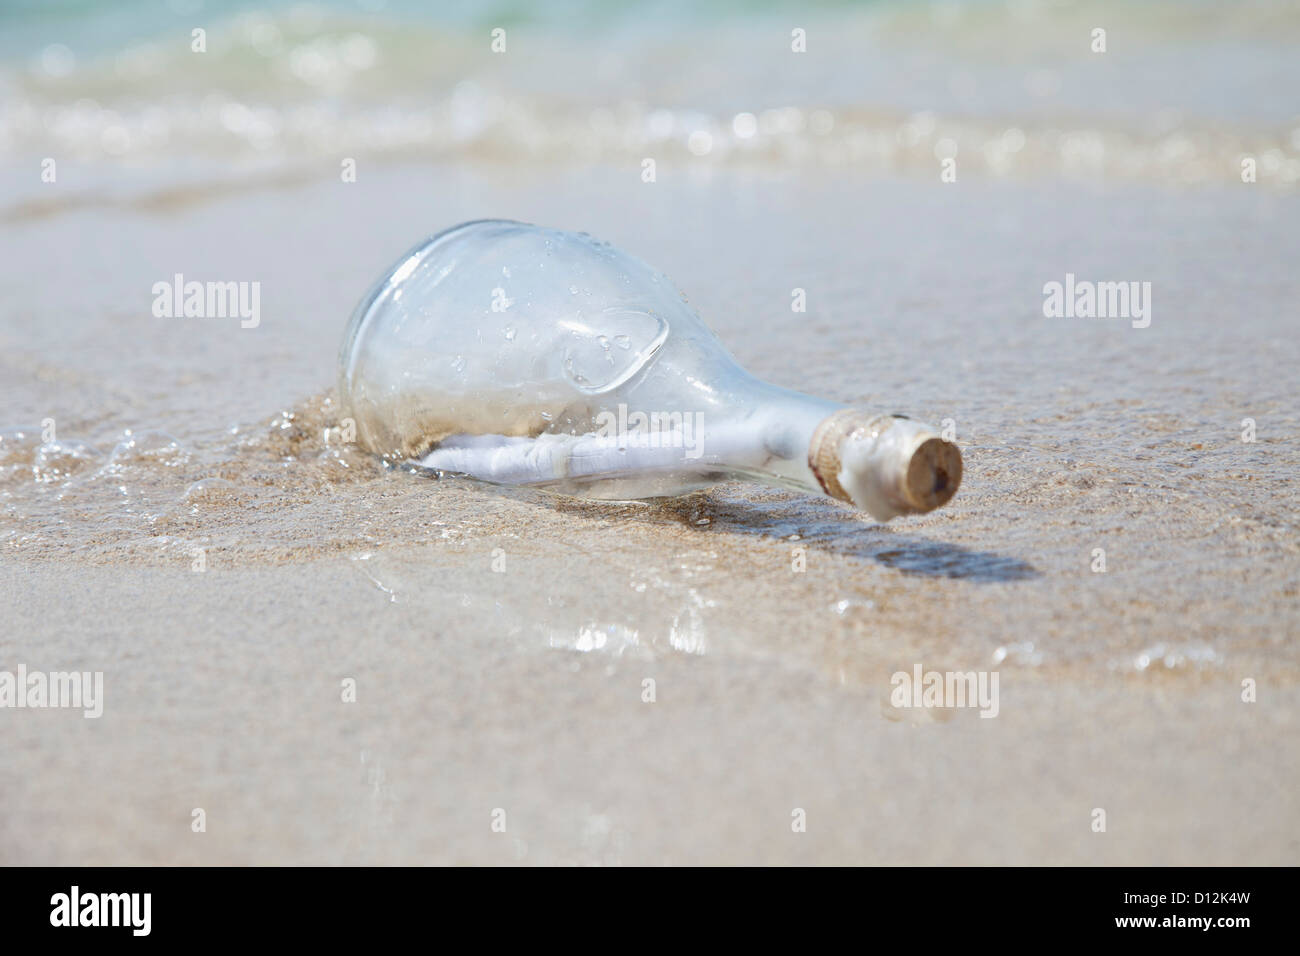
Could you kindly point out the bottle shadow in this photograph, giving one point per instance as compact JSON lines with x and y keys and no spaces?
{"x":817,"y":525}
{"x":845,"y":534}
{"x":940,"y":559}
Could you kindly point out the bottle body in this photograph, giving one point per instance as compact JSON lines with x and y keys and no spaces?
{"x":525,"y":355}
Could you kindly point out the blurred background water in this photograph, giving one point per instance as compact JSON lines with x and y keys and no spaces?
{"x":1010,"y":87}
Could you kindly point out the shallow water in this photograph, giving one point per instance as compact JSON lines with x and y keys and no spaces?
{"x":179,"y":441}
{"x":1014,"y":91}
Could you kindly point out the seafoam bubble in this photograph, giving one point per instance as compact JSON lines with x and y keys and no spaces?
{"x":214,"y":493}
{"x":615,"y":639}
{"x":1018,"y":652}
{"x":149,"y":448}
{"x":1164,"y":656}
{"x":844,"y":606}
{"x":345,"y":456}
{"x":60,"y":460}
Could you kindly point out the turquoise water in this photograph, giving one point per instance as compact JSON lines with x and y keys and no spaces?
{"x":1180,"y":94}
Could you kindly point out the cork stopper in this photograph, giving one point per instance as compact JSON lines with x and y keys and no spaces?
{"x":933,"y":474}
{"x":884,"y":464}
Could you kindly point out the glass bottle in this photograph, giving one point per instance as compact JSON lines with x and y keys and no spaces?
{"x":524,"y":355}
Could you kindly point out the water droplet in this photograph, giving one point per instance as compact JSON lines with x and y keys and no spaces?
{"x":842,"y":607}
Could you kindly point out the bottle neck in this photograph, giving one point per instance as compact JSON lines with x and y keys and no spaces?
{"x":771,"y":438}
{"x":881,"y":464}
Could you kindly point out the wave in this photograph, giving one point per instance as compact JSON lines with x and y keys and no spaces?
{"x":1184,"y":93}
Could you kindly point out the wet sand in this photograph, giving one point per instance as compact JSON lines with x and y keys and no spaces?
{"x":522,"y":689}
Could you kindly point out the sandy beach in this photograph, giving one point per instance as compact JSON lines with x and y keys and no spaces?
{"x":193,"y":529}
